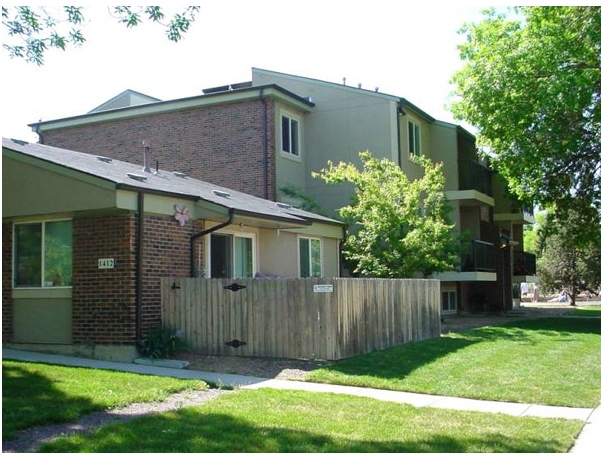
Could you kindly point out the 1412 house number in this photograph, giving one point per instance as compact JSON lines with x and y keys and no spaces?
{"x":106,"y":263}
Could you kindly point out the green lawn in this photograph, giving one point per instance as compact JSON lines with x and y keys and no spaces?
{"x":35,"y":394}
{"x":555,"y":361}
{"x":270,"y":421}
{"x":587,"y":311}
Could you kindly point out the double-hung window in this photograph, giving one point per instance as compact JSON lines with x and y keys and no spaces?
{"x":449,"y":301}
{"x":415,"y":146}
{"x":43,"y":254}
{"x":290,"y":135}
{"x":232,"y":256}
{"x":310,"y":257}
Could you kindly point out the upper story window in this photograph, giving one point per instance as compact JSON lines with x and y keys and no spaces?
{"x":43,"y":255}
{"x":415,"y":140}
{"x":310,"y":257}
{"x":290,"y":135}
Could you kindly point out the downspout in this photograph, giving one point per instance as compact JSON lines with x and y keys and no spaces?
{"x":400,"y":112}
{"x":265,"y":155}
{"x":204,"y":233}
{"x":139,"y":266}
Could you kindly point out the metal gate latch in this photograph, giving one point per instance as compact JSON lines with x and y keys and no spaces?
{"x":235,"y":343}
{"x":234,"y":287}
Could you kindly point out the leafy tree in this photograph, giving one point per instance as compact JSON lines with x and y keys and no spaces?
{"x":567,"y":262}
{"x":32,"y":30}
{"x":531,"y":85}
{"x":532,"y":233}
{"x":402,"y":226}
{"x":565,"y":266}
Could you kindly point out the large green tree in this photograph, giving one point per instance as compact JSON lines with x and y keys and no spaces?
{"x":531,"y":85}
{"x":29,"y":31}
{"x":568,"y":263}
{"x":399,"y":227}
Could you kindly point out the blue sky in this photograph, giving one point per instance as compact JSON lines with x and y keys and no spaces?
{"x":409,"y":51}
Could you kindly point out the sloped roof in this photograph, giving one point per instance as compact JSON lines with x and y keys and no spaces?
{"x":130,"y":176}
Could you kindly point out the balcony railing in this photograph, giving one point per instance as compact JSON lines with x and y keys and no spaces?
{"x":478,"y":256}
{"x":524,"y":263}
{"x":474,"y":176}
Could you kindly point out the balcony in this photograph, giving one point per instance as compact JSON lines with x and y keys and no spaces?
{"x":477,"y":264}
{"x":524,"y":264}
{"x":474,"y":176}
{"x":478,"y":256}
{"x":475,"y":184}
{"x":522,"y":214}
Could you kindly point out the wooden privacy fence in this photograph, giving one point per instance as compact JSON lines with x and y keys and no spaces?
{"x":300,"y":318}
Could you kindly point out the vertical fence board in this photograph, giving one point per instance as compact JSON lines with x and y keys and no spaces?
{"x":288,"y":318}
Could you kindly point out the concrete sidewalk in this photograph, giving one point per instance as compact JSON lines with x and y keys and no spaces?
{"x":588,"y":441}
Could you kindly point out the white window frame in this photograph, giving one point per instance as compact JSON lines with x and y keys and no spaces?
{"x":412,"y":125}
{"x":292,"y":118}
{"x":43,"y":260}
{"x":235,"y":234}
{"x":298,"y":250}
{"x":442,"y":301}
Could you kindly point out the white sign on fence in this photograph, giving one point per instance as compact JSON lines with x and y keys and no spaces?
{"x":323,"y":288}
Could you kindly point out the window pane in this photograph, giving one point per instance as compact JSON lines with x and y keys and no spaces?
{"x":294,"y":136}
{"x":411,"y":139}
{"x":285,"y":134}
{"x":453,"y":301}
{"x":244,"y":257}
{"x":58,"y":254}
{"x":315,"y":258}
{"x":305,"y":258}
{"x":221,"y":255}
{"x":418,"y":146}
{"x":28,"y":255}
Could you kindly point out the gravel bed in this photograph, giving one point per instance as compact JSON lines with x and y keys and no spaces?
{"x":29,"y":440}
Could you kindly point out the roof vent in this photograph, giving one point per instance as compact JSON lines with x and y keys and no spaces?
{"x":104,"y":159}
{"x":178,"y":174}
{"x":222,"y":194}
{"x":283,"y":205}
{"x":137,"y":177}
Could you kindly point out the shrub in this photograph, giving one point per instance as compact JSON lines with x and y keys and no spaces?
{"x":162,"y":342}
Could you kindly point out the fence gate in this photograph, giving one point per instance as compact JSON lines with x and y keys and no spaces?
{"x":300,"y":318}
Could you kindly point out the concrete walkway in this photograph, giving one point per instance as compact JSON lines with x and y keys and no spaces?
{"x":588,"y":441}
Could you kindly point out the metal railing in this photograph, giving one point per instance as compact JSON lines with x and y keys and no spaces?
{"x":524,"y":263}
{"x":474,"y":176}
{"x":478,"y":256}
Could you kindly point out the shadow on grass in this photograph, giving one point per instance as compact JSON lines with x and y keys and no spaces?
{"x":31,"y":399}
{"x":191,"y":431}
{"x":399,"y":362}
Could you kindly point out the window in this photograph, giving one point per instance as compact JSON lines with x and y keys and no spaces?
{"x":415,"y":146}
{"x":43,"y":254}
{"x":290,"y":136}
{"x":449,"y":301}
{"x":310,"y":257}
{"x":231,"y":256}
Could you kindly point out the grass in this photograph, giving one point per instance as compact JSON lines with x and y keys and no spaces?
{"x":270,"y":421}
{"x":587,"y":311}
{"x":36,"y":394}
{"x":554,"y":361}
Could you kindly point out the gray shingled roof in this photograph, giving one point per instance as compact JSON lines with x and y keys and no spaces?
{"x":166,"y":182}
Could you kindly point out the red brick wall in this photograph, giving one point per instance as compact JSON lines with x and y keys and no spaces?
{"x":7,"y":305}
{"x":166,"y":254}
{"x":218,"y":144}
{"x":104,"y":299}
